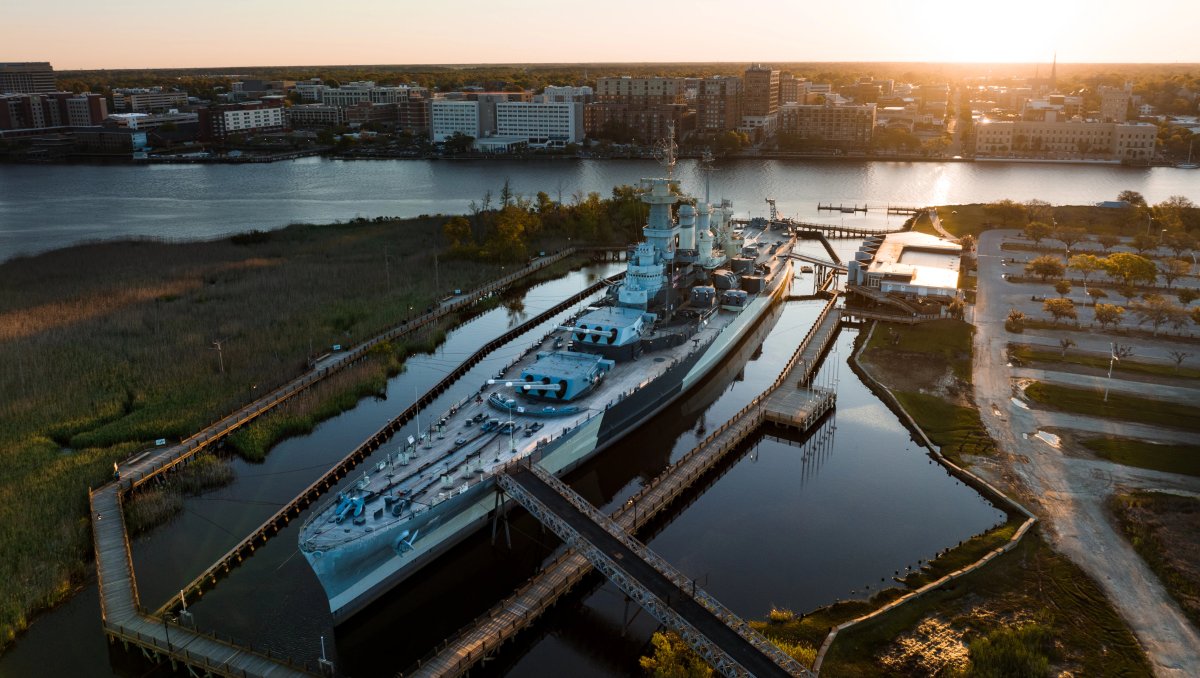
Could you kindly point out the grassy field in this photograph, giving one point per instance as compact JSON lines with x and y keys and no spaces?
{"x":1165,"y":531}
{"x":972,"y":219}
{"x":1183,"y":459}
{"x":947,"y":342}
{"x":1119,"y":406}
{"x":928,"y":369}
{"x":1027,"y":354}
{"x":1032,"y":584}
{"x":111,"y":346}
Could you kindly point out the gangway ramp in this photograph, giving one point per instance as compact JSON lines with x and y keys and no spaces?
{"x":818,"y":261}
{"x":722,"y":638}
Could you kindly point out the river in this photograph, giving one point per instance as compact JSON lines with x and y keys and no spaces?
{"x":44,"y":207}
{"x":791,"y":522}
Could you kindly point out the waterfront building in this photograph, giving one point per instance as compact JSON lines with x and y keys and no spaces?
{"x":32,"y":77}
{"x":315,"y":115}
{"x":448,"y":117}
{"x":141,"y":100}
{"x":718,"y":104}
{"x":852,"y":125}
{"x":1114,"y":140}
{"x":251,"y":117}
{"x":109,"y":140}
{"x":540,"y":124}
{"x":761,"y":91}
{"x":54,"y":109}
{"x":760,"y":102}
{"x":910,"y":263}
{"x":369,"y":113}
{"x":641,"y":108}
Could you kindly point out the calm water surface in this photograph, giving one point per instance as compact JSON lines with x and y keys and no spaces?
{"x":45,"y":207}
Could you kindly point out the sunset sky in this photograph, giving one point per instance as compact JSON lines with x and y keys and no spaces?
{"x":74,"y":34}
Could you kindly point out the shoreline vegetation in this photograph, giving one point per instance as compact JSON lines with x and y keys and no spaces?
{"x":117,"y":344}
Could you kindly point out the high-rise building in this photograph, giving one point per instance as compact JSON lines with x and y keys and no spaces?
{"x":53,"y":109}
{"x":540,"y":124}
{"x":762,"y":91}
{"x":643,"y":108}
{"x":1114,"y":102}
{"x":718,"y":104}
{"x":792,"y":89}
{"x":448,"y":117}
{"x":33,"y":77}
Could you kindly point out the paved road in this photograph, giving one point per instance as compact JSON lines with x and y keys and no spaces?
{"x":1144,"y":389}
{"x":1071,"y":493}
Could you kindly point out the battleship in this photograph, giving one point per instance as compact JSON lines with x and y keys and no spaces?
{"x":693,"y":289}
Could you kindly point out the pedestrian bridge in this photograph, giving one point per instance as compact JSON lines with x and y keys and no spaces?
{"x":722,"y":638}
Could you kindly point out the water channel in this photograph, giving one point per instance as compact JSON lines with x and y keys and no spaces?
{"x":790,"y":523}
{"x":44,"y":207}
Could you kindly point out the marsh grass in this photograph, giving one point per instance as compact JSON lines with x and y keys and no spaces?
{"x":153,"y":506}
{"x":110,"y":346}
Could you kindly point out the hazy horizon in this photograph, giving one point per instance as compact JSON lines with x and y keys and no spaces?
{"x":146,"y":35}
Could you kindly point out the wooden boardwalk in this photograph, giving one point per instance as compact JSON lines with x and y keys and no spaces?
{"x":121,"y":611}
{"x":485,"y":635}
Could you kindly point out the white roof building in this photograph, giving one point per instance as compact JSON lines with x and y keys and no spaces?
{"x":907,"y":263}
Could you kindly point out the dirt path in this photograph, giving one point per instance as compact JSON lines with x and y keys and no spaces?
{"x":1071,"y":493}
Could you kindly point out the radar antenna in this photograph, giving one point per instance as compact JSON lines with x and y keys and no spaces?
{"x":665,"y":150}
{"x":706,"y":166}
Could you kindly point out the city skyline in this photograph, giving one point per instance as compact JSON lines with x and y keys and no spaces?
{"x":274,"y":33}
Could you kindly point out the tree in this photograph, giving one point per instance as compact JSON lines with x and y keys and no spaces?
{"x":1045,"y":267}
{"x":1005,"y":211}
{"x":1187,"y":295}
{"x":1130,"y":268}
{"x":1108,"y":314}
{"x":1015,"y":322}
{"x":1157,"y":311}
{"x":1132,"y":197}
{"x":956,"y":308}
{"x":1064,"y":344}
{"x":458,"y":233}
{"x":1144,"y":242}
{"x":1179,"y":242}
{"x":1063,"y":287}
{"x":1039,"y":210}
{"x":673,"y":658}
{"x":1173,"y":269}
{"x":1086,"y":264}
{"x":1179,"y":357}
{"x":459,"y":143}
{"x":1108,"y":241}
{"x":1037,"y":231}
{"x":1070,"y":235}
{"x":1059,"y":309}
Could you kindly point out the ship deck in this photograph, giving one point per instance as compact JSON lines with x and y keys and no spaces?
{"x":454,"y":457}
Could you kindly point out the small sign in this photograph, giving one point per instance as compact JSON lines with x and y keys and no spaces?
{"x":160,"y":442}
{"x":411,"y":440}
{"x":337,"y":347}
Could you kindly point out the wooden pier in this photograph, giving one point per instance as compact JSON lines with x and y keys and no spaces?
{"x":159,"y":638}
{"x":504,"y":621}
{"x":890,"y":209}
